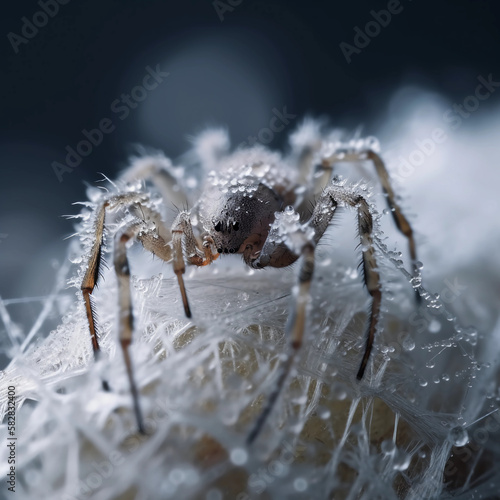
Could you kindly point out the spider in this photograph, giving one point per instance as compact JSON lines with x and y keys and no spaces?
{"x":252,"y":203}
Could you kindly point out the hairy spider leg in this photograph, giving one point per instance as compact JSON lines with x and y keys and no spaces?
{"x":182,"y":229}
{"x":126,"y":315}
{"x":322,"y":215}
{"x":148,"y":229}
{"x":400,"y":220}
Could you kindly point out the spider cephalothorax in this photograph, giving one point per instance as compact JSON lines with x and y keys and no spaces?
{"x":238,"y":219}
{"x":252,"y":203}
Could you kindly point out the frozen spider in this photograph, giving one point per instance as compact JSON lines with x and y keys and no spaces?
{"x":253,"y":203}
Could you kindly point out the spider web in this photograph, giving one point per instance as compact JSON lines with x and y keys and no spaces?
{"x":203,"y":382}
{"x":423,"y":423}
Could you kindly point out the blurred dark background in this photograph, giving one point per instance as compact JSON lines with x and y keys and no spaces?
{"x":230,"y":63}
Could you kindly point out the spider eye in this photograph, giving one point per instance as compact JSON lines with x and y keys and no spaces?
{"x":236,"y":226}
{"x":218,"y":226}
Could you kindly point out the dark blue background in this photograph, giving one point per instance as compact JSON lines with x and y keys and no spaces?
{"x":231,"y":72}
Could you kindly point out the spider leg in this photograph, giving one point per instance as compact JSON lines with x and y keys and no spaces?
{"x":306,"y":142}
{"x":147,"y":228}
{"x":280,"y":252}
{"x":400,"y":220}
{"x":274,"y":253}
{"x":126,"y":317}
{"x":294,"y":329}
{"x":331,"y":198}
{"x":92,"y":274}
{"x":182,"y":229}
{"x":158,"y":169}
{"x":134,"y":201}
{"x":154,"y":243}
{"x":152,"y":240}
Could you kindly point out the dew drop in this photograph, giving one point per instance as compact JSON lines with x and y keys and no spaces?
{"x":401,"y":461}
{"x":388,"y":447}
{"x":422,"y":382}
{"x":176,"y":476}
{"x":458,"y":436}
{"x":324,"y":414}
{"x":416,"y":281}
{"x":239,"y":456}
{"x":408,"y":344}
{"x":434,"y":326}
{"x":300,"y":484}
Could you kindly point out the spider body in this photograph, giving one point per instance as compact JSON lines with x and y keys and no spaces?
{"x":239,"y":222}
{"x":238,"y":205}
{"x":252,"y":203}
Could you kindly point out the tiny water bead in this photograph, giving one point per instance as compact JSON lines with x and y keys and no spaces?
{"x":458,"y":436}
{"x":324,"y":413}
{"x":416,"y":281}
{"x":422,"y":382}
{"x":434,"y":326}
{"x":300,"y":484}
{"x":388,"y":447}
{"x":401,"y":461}
{"x":408,"y":344}
{"x":239,"y":456}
